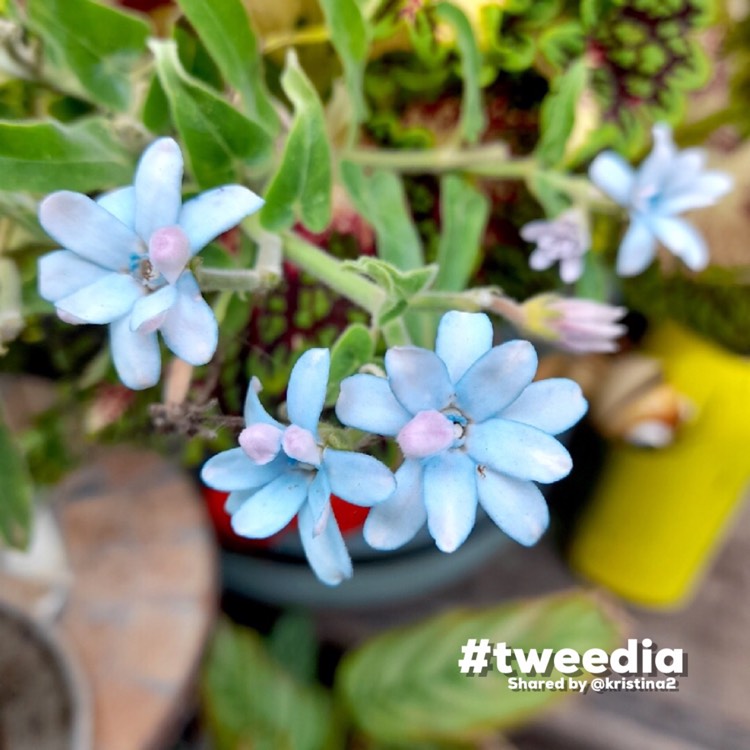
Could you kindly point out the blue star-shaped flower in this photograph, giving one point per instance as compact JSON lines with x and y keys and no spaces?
{"x":125,"y":258}
{"x":281,"y":471}
{"x":666,"y":184}
{"x":472,"y":428}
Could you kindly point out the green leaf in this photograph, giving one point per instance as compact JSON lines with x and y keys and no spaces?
{"x":464,"y":211}
{"x":595,"y":281}
{"x":352,"y":349}
{"x":543,"y":186}
{"x":380,"y":198}
{"x":97,"y":44}
{"x":250,"y":701}
{"x":303,"y":181}
{"x":349,"y":36}
{"x":293,"y":644}
{"x":226,"y":31}
{"x":15,"y":490}
{"x":39,"y":157}
{"x":405,"y":685}
{"x":472,"y":110}
{"x":558,"y":112}
{"x":219,"y":140}
{"x":561,"y":43}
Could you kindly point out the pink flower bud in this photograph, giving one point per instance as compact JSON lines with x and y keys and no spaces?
{"x":261,"y":442}
{"x":300,"y":445}
{"x":169,"y":252}
{"x":427,"y":434}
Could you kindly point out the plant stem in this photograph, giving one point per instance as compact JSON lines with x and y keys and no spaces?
{"x":327,"y":269}
{"x":311,"y":35}
{"x":235,"y":279}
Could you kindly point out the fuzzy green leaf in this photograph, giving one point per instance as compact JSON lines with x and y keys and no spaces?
{"x":405,"y":685}
{"x":15,"y":490}
{"x":349,"y":36}
{"x":558,"y":113}
{"x":380,"y":198}
{"x":95,"y":43}
{"x":39,"y":157}
{"x":464,"y":211}
{"x":353,"y":349}
{"x":472,"y":110}
{"x":250,"y":701}
{"x":219,"y":140}
{"x":303,"y":181}
{"x":226,"y":31}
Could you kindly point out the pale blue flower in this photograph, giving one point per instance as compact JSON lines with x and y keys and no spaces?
{"x":281,"y":471}
{"x":125,"y":257}
{"x":473,"y":428}
{"x":666,"y":184}
{"x":564,"y":240}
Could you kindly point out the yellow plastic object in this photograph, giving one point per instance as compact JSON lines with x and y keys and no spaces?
{"x":658,"y":515}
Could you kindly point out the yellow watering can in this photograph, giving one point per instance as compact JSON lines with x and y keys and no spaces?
{"x":657,"y":516}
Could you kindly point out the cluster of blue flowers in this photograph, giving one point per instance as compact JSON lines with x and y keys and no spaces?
{"x":471,"y":424}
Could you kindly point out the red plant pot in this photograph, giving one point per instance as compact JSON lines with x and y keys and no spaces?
{"x":350,"y":518}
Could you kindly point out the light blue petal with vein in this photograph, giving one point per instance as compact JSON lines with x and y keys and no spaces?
{"x":553,"y":405}
{"x":367,"y":403}
{"x":450,"y":496}
{"x":462,"y":338}
{"x":151,"y":308}
{"x":704,"y":190}
{"x":254,"y":410}
{"x":273,"y":506}
{"x":136,"y":356}
{"x":84,"y":227}
{"x":682,"y":239}
{"x":190,"y":329}
{"x":637,"y":248}
{"x":613,"y":176}
{"x":103,"y":301}
{"x":236,"y":499}
{"x":518,"y":450}
{"x":158,"y":187}
{"x":326,"y":552}
{"x":358,"y":478}
{"x":418,"y":378}
{"x":214,"y":212}
{"x":121,"y":204}
{"x":62,"y":273}
{"x":307,"y":389}
{"x":319,"y":500}
{"x":655,"y":171}
{"x":395,"y":521}
{"x":496,"y":380}
{"x":233,"y":470}
{"x":516,"y":506}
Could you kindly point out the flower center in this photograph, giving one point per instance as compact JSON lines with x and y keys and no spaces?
{"x":431,"y":432}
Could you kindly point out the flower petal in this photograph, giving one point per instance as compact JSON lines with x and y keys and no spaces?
{"x":253,"y":410}
{"x":683,"y":240}
{"x":395,"y":521}
{"x":516,"y":506}
{"x":658,"y":167}
{"x":136,"y":356}
{"x":190,"y":329}
{"x":326,"y":552}
{"x":319,"y":501}
{"x":235,"y":500}
{"x":232,"y":470}
{"x":427,"y":434}
{"x":121,"y":204}
{"x":496,"y":379}
{"x":357,"y":478}
{"x":273,"y":506}
{"x":261,"y":442}
{"x":541,"y":259}
{"x":307,"y":389}
{"x":84,"y":227}
{"x":211,"y":213}
{"x":299,"y":444}
{"x":462,"y":338}
{"x":704,"y":190}
{"x":158,"y":187}
{"x":637,"y":249}
{"x":62,"y":273}
{"x":418,"y":378}
{"x":571,"y":269}
{"x":149,"y":311}
{"x":613,"y":175}
{"x":103,"y":301}
{"x":518,"y":450}
{"x":450,"y":497}
{"x":366,"y":402}
{"x":551,"y":405}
